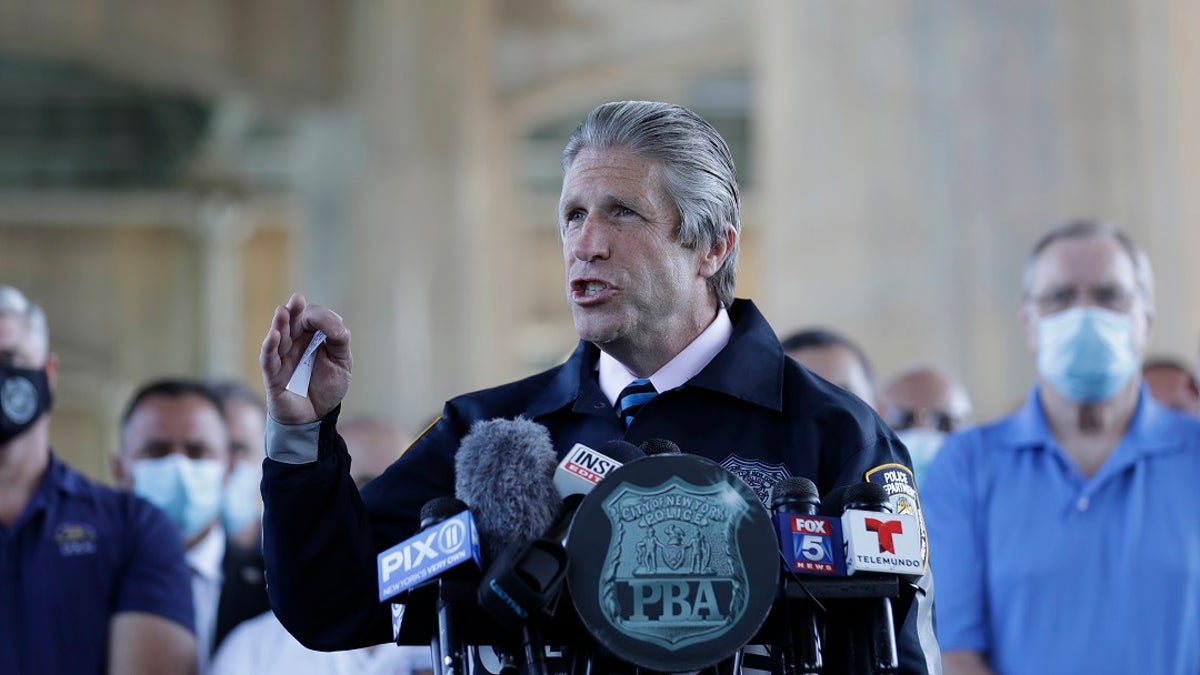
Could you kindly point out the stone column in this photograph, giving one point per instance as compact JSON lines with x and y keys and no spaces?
{"x":414,"y":240}
{"x":912,"y":152}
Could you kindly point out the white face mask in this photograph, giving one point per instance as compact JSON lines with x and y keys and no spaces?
{"x":240,"y":504}
{"x":922,"y":444}
{"x":188,"y":490}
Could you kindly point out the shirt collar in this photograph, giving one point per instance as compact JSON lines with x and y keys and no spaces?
{"x":675,"y":373}
{"x":1144,"y":436}
{"x":205,"y":557}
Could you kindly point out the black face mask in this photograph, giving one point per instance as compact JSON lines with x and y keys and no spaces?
{"x":24,"y":398}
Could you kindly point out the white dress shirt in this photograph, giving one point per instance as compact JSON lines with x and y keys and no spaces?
{"x":614,"y":376}
{"x":204,"y":560}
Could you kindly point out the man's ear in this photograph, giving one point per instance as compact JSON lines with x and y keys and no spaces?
{"x":52,"y":370}
{"x":1029,"y":323}
{"x":121,"y":475}
{"x":719,"y":252}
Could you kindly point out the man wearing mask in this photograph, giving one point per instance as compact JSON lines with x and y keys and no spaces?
{"x":89,"y":577}
{"x":246,"y":419}
{"x":175,"y":453}
{"x":1065,"y":535}
{"x":923,"y":404}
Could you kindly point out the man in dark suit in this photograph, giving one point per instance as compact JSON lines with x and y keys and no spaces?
{"x":175,"y":453}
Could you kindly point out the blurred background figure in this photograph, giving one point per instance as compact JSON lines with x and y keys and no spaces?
{"x":91,"y":580}
{"x":261,"y":646}
{"x":241,"y":502}
{"x":1172,"y":384}
{"x":834,"y":357}
{"x":1051,"y":527}
{"x":923,"y":404}
{"x":175,"y":453}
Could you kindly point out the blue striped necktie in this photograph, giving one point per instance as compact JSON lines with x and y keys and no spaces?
{"x":633,"y":397}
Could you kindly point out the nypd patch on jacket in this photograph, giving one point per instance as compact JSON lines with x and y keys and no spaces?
{"x":752,"y":409}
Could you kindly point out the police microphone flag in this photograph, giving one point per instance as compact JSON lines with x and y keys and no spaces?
{"x":673,"y":563}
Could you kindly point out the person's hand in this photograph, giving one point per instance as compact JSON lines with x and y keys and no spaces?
{"x":292,"y":328}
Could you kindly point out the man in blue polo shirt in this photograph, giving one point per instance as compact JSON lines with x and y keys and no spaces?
{"x":91,"y":580}
{"x":1065,"y":538}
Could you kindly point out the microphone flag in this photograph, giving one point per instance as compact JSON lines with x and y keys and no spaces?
{"x":427,"y":554}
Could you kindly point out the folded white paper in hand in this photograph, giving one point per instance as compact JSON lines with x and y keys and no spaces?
{"x":299,"y":382}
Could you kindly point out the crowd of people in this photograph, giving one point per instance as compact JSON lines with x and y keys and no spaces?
{"x":1054,"y":536}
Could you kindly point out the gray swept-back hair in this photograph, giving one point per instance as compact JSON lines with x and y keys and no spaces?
{"x":699,"y":173}
{"x":1083,"y":229}
{"x":14,"y":302}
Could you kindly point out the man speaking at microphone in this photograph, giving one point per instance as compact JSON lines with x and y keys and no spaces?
{"x":650,"y":224}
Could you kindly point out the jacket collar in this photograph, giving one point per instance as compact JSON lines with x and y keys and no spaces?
{"x":749,"y":368}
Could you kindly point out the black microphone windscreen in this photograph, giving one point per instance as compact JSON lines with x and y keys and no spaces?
{"x":866,"y":496}
{"x":504,"y":470}
{"x":660,"y":446}
{"x":794,"y":490}
{"x":622,"y":451}
{"x":440,"y":508}
{"x":834,"y":501}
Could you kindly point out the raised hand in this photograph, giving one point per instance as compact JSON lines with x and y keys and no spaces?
{"x":292,"y":328}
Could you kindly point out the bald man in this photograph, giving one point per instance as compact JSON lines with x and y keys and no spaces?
{"x":1172,"y":384}
{"x":923,"y":404}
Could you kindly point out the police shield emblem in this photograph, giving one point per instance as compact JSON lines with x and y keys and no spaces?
{"x":757,"y":474}
{"x":673,"y":563}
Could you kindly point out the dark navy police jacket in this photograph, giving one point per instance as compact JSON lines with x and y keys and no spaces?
{"x":754,"y":410}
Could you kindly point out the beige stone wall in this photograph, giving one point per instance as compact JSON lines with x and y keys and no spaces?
{"x":908,"y":153}
{"x":917,"y":151}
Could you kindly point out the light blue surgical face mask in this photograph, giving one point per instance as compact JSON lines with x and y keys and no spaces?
{"x":1086,"y":353}
{"x":240,"y":503}
{"x":922,"y":444}
{"x":188,"y":490}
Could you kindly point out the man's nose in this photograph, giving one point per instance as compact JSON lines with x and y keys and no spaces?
{"x":589,"y":241}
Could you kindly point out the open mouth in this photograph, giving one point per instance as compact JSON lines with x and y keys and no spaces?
{"x":586,"y":289}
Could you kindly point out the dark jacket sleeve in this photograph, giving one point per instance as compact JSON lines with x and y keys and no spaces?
{"x":318,"y":550}
{"x":321,"y":536}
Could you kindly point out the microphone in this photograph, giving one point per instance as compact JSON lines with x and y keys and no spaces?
{"x":794,"y":505}
{"x":505,"y":470}
{"x":448,"y":538}
{"x":446,"y":645}
{"x":437,"y":554}
{"x":660,"y":446}
{"x":582,"y":467}
{"x":872,"y":644}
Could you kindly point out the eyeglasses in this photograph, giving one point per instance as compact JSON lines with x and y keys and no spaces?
{"x":900,"y":419}
{"x":1115,"y":298}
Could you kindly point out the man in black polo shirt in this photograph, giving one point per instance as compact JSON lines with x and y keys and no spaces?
{"x":91,"y":580}
{"x":650,"y":223}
